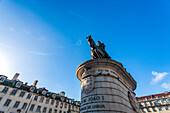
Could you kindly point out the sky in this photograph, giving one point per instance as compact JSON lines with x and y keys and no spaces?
{"x":45,"y":40}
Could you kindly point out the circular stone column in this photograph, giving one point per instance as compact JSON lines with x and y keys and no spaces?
{"x":106,"y":87}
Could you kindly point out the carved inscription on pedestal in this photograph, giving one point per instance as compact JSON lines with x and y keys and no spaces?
{"x":92,"y":107}
{"x":90,"y":99}
{"x":96,"y":104}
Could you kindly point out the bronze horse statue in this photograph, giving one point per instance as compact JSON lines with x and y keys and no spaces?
{"x":97,"y":51}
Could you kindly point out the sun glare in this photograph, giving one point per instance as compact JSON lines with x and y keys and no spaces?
{"x":4,"y":65}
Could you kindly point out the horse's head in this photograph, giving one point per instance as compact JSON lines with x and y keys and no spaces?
{"x":89,"y":37}
{"x":91,"y":42}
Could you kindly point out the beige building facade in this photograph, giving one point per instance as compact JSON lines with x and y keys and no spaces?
{"x":16,"y":97}
{"x":158,"y":103}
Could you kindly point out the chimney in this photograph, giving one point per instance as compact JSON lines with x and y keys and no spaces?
{"x":15,"y":76}
{"x":62,"y":93}
{"x":35,"y":82}
{"x":26,"y":83}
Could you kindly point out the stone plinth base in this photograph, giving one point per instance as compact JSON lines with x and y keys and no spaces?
{"x":106,"y":87}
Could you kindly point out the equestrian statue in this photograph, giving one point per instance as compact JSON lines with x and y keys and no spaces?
{"x":97,"y":51}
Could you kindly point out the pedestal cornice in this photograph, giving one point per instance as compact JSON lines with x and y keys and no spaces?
{"x":103,"y":62}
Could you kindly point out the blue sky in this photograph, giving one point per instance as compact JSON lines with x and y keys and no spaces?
{"x":46,"y":40}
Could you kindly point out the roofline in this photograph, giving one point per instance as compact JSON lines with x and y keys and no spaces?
{"x":150,"y":96}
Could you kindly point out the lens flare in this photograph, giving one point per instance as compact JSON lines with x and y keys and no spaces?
{"x":4,"y":65}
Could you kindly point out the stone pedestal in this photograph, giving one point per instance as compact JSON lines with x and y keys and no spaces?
{"x":106,"y":87}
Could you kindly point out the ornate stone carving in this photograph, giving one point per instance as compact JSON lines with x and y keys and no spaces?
{"x":132,"y":102}
{"x":86,"y":72}
{"x":87,"y":85}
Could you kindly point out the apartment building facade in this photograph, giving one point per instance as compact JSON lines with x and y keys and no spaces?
{"x":158,"y":103}
{"x":17,"y":97}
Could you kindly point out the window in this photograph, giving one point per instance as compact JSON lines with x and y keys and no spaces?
{"x":22,"y":94}
{"x":28,"y":96}
{"x":16,"y":104}
{"x":38,"y":91}
{"x":150,"y":103}
{"x":66,"y":100}
{"x":41,"y":99}
{"x":56,"y":105}
{"x":45,"y":109}
{"x":145,"y":103}
{"x":50,"y":110}
{"x":153,"y":108}
{"x":13,"y":92}
{"x":38,"y":109}
{"x":65,"y":105}
{"x":35,"y":98}
{"x":54,"y":96}
{"x":32,"y":89}
{"x":52,"y":102}
{"x":18,"y":84}
{"x":64,"y":112}
{"x":140,"y":104}
{"x":44,"y":92}
{"x":61,"y":105}
{"x":60,"y":111}
{"x":32,"y":107}
{"x":55,"y":111}
{"x":2,"y":79}
{"x":168,"y":100}
{"x":159,"y":96}
{"x":156,"y":103}
{"x":62,"y":98}
{"x":47,"y":101}
{"x":142,"y":110}
{"x":162,"y":101}
{"x":148,"y":109}
{"x":166,"y":108}
{"x":8,"y":101}
{"x":160,"y":109}
{"x":24,"y":106}
{"x":0,"y":98}
{"x":5,"y":90}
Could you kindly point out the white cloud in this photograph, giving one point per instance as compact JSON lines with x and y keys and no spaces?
{"x":166,"y":86}
{"x":39,"y":53}
{"x":158,"y":77}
